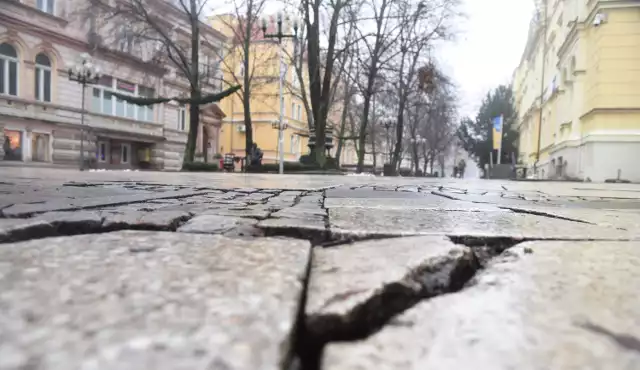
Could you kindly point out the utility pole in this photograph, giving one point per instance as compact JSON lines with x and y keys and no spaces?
{"x":279,"y":35}
{"x":542,"y":84}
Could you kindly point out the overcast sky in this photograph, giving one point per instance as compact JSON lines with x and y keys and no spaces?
{"x":490,"y":41}
{"x":487,"y":50}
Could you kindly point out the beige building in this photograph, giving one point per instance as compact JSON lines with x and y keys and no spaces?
{"x":40,"y":107}
{"x":264,"y":67}
{"x":587,"y":124}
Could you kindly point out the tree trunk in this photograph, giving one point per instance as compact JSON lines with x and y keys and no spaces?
{"x":400,"y":118}
{"x":424,"y":165}
{"x":341,"y":137}
{"x":194,"y":109}
{"x":205,"y":144}
{"x":431,"y":162}
{"x":246,"y":89}
{"x":364,"y":123}
{"x":320,"y":89}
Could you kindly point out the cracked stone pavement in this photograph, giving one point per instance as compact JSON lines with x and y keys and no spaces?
{"x":144,"y":270}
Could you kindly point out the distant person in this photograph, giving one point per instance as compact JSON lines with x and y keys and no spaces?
{"x":7,"y":147}
{"x":256,"y":155}
{"x":461,"y":167}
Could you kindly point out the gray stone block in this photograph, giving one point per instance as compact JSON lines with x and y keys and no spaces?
{"x":345,"y":277}
{"x":225,"y":225}
{"x":362,"y":221}
{"x":541,"y":306}
{"x":150,"y":300}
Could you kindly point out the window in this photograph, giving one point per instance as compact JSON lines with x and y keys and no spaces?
{"x":145,"y":113}
{"x":105,"y":102}
{"x":292,"y":143}
{"x":125,"y":149}
{"x":182,"y":118}
{"x":102,"y":151}
{"x":127,"y":39}
{"x":295,"y":144}
{"x":299,"y":112}
{"x":46,"y":5}
{"x":8,"y":70}
{"x":43,"y":78}
{"x":293,"y":110}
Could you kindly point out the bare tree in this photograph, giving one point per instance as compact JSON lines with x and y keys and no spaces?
{"x":421,"y":25}
{"x":178,"y":36}
{"x":321,"y":74}
{"x":376,"y":54}
{"x":440,"y":126}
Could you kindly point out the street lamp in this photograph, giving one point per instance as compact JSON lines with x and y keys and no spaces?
{"x":84,"y":72}
{"x":279,"y":35}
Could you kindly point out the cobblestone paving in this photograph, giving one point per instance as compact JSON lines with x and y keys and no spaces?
{"x":138,"y":270}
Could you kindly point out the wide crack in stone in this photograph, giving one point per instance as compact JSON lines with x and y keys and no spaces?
{"x":433,"y":277}
{"x":77,"y":224}
{"x":486,"y":248}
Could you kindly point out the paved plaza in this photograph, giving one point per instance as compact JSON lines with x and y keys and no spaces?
{"x":148,"y":270}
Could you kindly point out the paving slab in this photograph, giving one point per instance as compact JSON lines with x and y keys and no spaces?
{"x":542,"y":306}
{"x":377,"y":204}
{"x":49,"y":224}
{"x":362,"y":221}
{"x":260,"y":212}
{"x":621,"y":219}
{"x":225,"y":225}
{"x":345,"y":277}
{"x":149,"y":300}
{"x":157,"y":220}
{"x":21,"y":210}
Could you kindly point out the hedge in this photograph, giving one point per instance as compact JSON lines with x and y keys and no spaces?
{"x":200,"y":167}
{"x":275,"y":167}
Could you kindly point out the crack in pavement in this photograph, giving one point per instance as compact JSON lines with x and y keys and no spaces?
{"x":432,"y":277}
{"x":543,"y":214}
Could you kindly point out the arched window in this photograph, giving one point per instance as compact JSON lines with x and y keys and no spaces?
{"x":43,"y":78}
{"x":8,"y":70}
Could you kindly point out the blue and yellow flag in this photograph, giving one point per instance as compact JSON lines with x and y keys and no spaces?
{"x":497,"y":132}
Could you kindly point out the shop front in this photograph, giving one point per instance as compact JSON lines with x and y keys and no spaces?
{"x":122,"y":154}
{"x":26,"y":145}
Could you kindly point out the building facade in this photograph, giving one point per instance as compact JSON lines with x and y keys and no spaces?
{"x":41,"y":108}
{"x":264,"y":102}
{"x":580,"y":116}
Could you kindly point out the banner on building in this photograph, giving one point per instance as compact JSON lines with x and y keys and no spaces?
{"x":497,"y":132}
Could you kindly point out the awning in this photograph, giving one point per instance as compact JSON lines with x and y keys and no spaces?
{"x":127,"y":136}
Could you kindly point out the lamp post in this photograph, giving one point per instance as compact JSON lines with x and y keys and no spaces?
{"x":84,"y":72}
{"x":279,"y":35}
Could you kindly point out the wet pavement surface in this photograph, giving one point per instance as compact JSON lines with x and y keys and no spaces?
{"x":145,"y":270}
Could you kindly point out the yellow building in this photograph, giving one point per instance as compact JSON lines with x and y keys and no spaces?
{"x":265,"y":105}
{"x":589,"y":126}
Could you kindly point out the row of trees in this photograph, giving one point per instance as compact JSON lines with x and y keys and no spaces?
{"x":380,"y":81}
{"x":363,"y":67}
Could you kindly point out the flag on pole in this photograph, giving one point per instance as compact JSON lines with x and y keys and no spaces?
{"x":497,"y":132}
